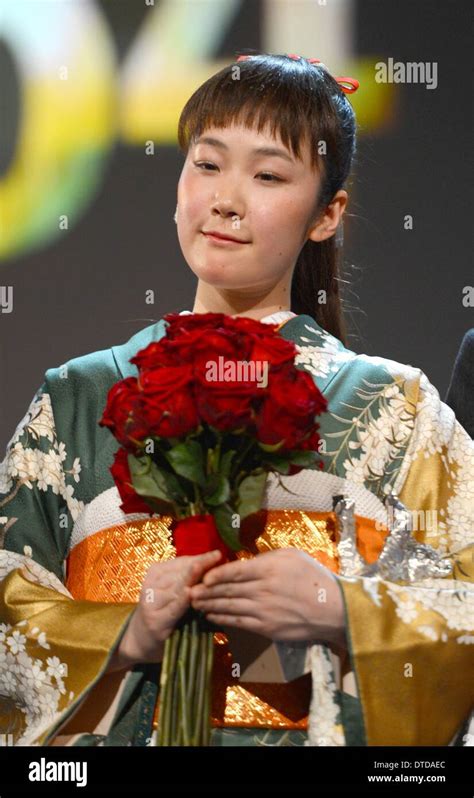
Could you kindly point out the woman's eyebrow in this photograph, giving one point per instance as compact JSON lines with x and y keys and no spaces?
{"x":276,"y":151}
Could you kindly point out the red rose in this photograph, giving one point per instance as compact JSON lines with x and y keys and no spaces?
{"x":210,"y":346}
{"x":178,"y":325}
{"x":262,"y":341}
{"x":155,"y":354}
{"x":289,"y":409}
{"x":228,"y":404}
{"x":225,"y":405}
{"x":123,"y":413}
{"x":168,"y":402}
{"x":311,"y":442}
{"x":164,"y":380}
{"x":248,"y":326}
{"x":276,"y":351}
{"x":131,"y":502}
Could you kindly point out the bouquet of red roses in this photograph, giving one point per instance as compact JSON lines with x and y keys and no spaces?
{"x":218,"y":404}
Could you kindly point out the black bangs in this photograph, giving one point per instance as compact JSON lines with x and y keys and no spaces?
{"x":293,"y":99}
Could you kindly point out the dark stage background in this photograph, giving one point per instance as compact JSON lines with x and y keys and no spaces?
{"x":84,"y":289}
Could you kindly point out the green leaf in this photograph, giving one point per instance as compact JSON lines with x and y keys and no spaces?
{"x":217,"y":489}
{"x":230,"y":535}
{"x":142,"y":477}
{"x":169,"y":483}
{"x":306,"y":458}
{"x":278,"y":464}
{"x":187,"y":460}
{"x":250,"y":494}
{"x":281,"y":463}
{"x":226,"y":462}
{"x":149,"y":480}
{"x":160,"y":506}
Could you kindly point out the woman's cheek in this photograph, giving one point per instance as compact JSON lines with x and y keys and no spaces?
{"x":191,"y":196}
{"x":191,"y":207}
{"x":280,"y":220}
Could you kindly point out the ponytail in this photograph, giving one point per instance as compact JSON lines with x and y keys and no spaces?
{"x":315,"y":289}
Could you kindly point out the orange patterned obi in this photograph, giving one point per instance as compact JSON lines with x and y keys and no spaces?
{"x":110,"y":565}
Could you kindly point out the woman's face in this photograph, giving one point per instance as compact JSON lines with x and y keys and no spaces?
{"x":247,"y":185}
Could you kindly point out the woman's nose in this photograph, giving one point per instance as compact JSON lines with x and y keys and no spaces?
{"x":227,"y":207}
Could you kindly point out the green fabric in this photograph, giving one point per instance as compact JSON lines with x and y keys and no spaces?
{"x":89,"y":740}
{"x":221,"y":737}
{"x":351,"y":718}
{"x":132,"y":723}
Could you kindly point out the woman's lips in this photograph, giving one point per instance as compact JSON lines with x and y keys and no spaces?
{"x":222,"y":241}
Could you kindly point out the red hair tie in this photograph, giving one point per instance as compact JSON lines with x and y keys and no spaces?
{"x":348,"y":85}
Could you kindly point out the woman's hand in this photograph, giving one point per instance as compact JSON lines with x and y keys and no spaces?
{"x":283,"y":594}
{"x":164,"y":598}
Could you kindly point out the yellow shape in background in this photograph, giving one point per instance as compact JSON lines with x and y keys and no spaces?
{"x":152,"y":110}
{"x":66,"y":126}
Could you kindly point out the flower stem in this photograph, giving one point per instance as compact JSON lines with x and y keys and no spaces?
{"x":241,"y":458}
{"x":206,"y":718}
{"x":167,"y":680}
{"x":185,"y":684}
{"x":164,"y":687}
{"x":201,"y":688}
{"x":182,"y":710}
{"x":217,"y":455}
{"x":191,"y":674}
{"x":174,"y":700}
{"x":178,"y":740}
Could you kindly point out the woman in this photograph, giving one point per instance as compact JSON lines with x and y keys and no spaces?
{"x":385,"y":620}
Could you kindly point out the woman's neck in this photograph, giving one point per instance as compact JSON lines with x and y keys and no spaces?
{"x":211,"y":300}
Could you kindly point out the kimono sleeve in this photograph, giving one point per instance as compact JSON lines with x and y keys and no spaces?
{"x":53,"y":649}
{"x":410,"y":641}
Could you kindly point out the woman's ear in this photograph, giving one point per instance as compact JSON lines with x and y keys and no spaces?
{"x":328,"y":221}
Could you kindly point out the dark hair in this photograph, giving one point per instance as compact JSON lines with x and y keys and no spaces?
{"x":297,"y":100}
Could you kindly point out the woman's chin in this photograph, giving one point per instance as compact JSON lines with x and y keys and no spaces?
{"x":220,"y":275}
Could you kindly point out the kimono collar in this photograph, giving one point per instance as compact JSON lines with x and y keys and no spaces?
{"x":275,"y":318}
{"x":140,"y":340}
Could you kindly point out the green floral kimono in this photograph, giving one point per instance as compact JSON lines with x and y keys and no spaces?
{"x":410,"y":632}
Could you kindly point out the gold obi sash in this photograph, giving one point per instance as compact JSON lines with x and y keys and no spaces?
{"x":110,"y":565}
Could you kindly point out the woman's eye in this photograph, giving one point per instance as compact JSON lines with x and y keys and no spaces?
{"x":201,"y":164}
{"x":271,"y":177}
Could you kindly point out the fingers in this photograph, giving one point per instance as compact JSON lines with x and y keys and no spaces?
{"x":181,"y":568}
{"x":199,"y":565}
{"x":168,"y":584}
{"x":236,"y":571}
{"x":248,"y":622}
{"x":224,"y":590}
{"x":230,"y":606}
